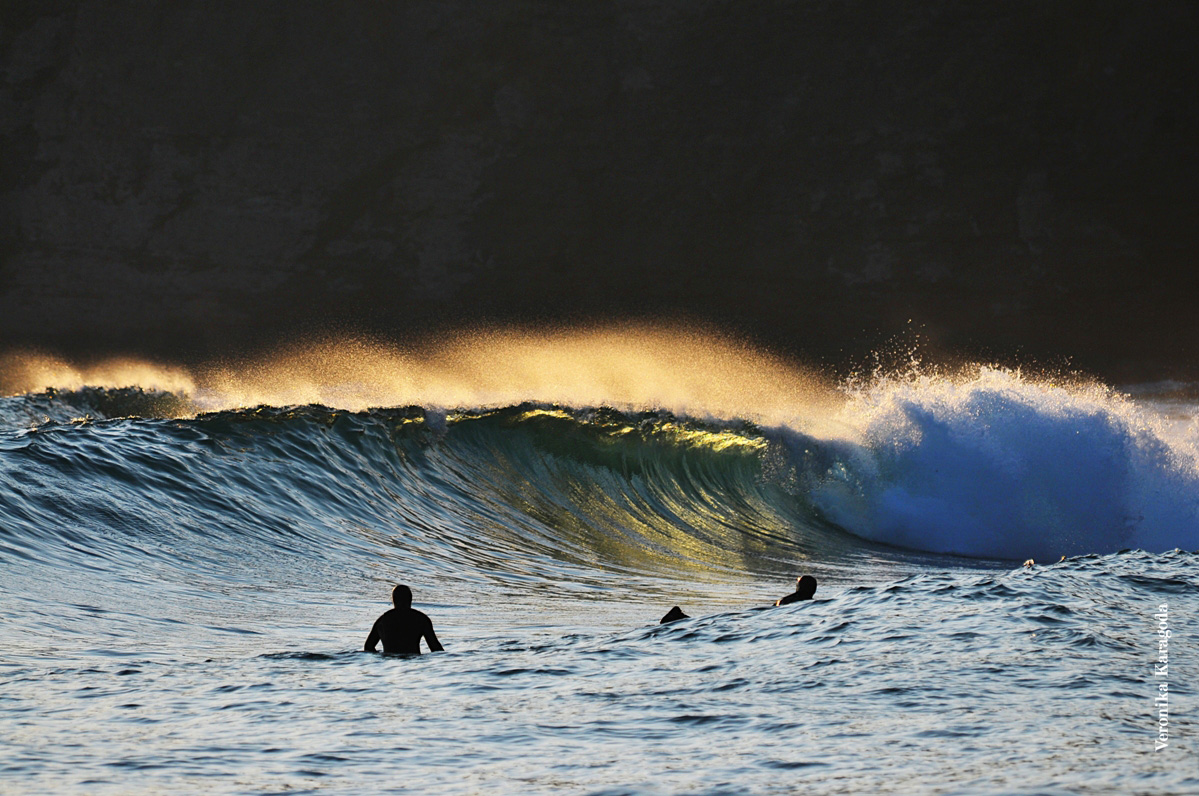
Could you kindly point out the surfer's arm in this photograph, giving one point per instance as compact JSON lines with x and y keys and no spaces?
{"x":372,"y":639}
{"x":431,"y":639}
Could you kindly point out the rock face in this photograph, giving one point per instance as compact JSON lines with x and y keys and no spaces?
{"x":1013,"y":177}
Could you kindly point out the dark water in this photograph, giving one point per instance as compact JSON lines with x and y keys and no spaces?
{"x":185,"y":597}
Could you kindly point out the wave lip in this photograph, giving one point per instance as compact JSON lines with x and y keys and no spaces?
{"x":1006,"y":467}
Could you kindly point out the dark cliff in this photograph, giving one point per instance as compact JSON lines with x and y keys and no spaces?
{"x":1015,"y":177}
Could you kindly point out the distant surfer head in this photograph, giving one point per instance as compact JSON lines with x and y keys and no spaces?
{"x":805,"y":587}
{"x":401,"y":596}
{"x":673,"y":615}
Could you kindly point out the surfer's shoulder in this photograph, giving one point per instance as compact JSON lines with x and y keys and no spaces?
{"x":805,"y":588}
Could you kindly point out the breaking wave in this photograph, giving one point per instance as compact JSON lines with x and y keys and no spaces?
{"x":991,"y":466}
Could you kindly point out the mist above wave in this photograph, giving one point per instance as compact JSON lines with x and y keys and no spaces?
{"x":686,"y":370}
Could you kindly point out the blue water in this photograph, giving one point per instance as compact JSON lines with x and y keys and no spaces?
{"x":185,"y":595}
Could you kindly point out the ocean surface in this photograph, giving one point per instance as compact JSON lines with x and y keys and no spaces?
{"x":187,"y":580}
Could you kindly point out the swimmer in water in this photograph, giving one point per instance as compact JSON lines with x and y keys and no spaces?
{"x":805,"y":587}
{"x":402,"y":627}
{"x":673,"y":615}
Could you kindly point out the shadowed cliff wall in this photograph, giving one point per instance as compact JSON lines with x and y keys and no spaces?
{"x":1013,"y":177}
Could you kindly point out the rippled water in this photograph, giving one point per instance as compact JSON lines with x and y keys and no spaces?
{"x":185,"y":599}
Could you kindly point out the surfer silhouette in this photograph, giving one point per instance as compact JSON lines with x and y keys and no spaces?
{"x":673,"y":615}
{"x":805,"y":587}
{"x":402,"y":628}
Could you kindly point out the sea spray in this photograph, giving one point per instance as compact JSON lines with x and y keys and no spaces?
{"x":685,"y":369}
{"x":995,"y":464}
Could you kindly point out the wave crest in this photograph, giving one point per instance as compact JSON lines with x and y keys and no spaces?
{"x":999,"y":465}
{"x":990,"y":464}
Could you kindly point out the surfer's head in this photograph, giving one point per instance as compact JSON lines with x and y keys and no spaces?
{"x":805,"y":587}
{"x":673,"y":615}
{"x":401,"y":596}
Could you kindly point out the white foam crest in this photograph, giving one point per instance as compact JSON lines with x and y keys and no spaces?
{"x":999,"y":465}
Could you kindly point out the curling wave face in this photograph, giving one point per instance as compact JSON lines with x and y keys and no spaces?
{"x":993,"y":467}
{"x":523,"y":497}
